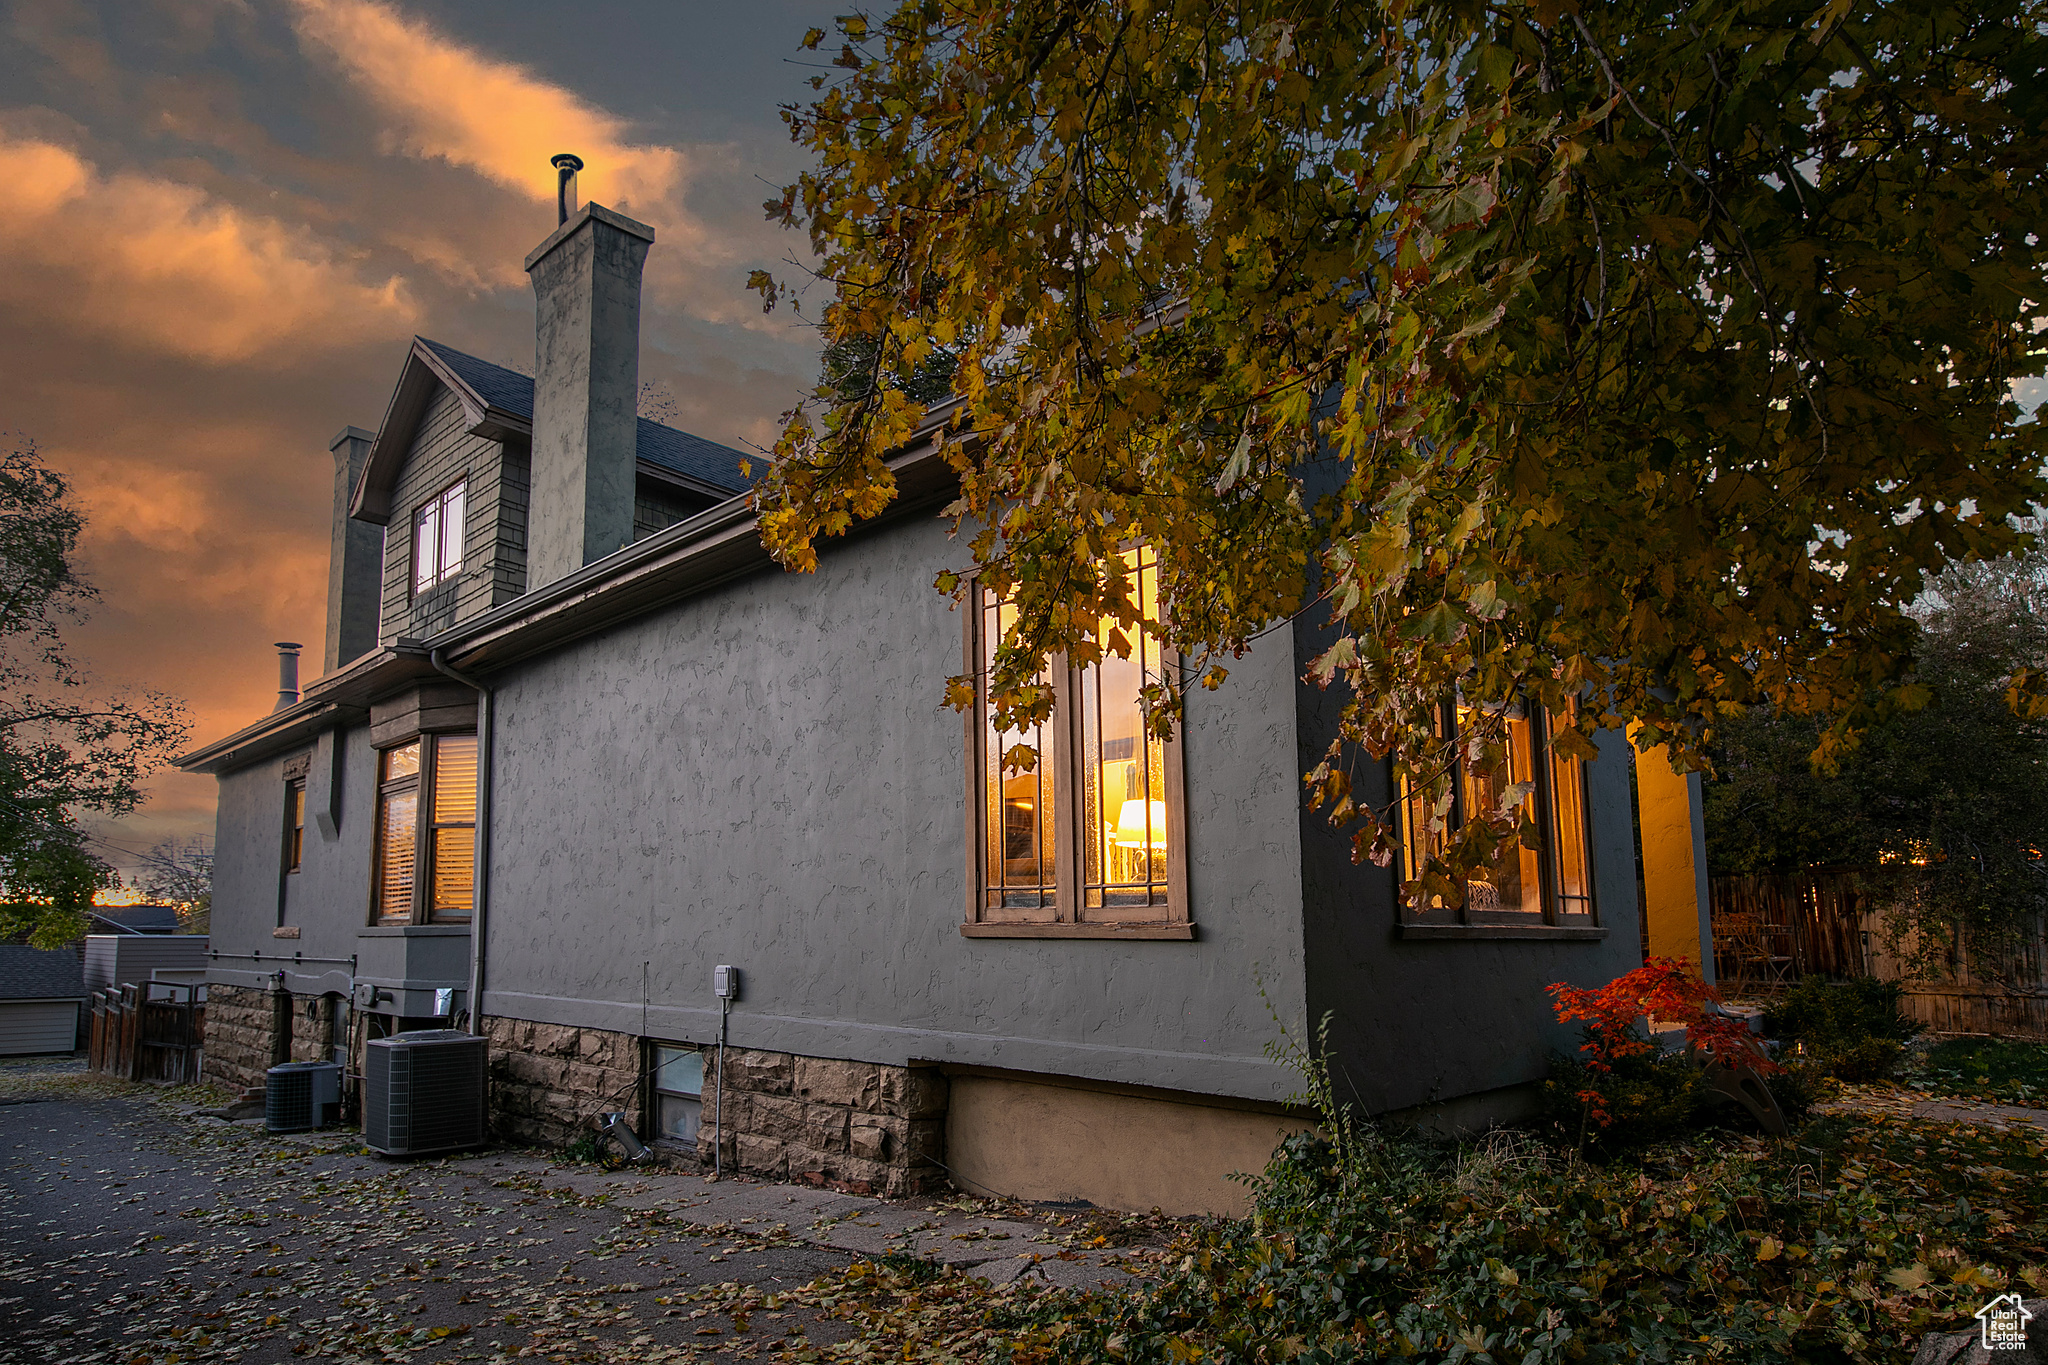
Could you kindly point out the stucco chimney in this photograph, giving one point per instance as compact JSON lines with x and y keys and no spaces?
{"x":586,"y":390}
{"x":355,"y":559}
{"x":287,"y":674}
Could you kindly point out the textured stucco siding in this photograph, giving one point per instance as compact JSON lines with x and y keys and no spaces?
{"x":765,"y":776}
{"x":327,"y":900}
{"x":494,"y":523}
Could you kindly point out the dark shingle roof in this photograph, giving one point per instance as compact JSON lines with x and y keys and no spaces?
{"x":136,"y":919}
{"x":33,"y":974}
{"x":707,"y":461}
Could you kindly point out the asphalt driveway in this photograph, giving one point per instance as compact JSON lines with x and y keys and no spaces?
{"x":134,"y":1231}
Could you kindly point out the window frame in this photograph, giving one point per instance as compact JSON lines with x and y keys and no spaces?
{"x":456,"y":492}
{"x":650,"y":1109}
{"x":1070,"y":918}
{"x":1553,"y":921}
{"x":294,"y":825}
{"x":420,"y":784}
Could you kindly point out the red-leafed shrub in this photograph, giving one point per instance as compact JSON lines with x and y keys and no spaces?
{"x":1618,"y":1065}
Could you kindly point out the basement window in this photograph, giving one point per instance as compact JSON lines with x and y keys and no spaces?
{"x":678,"y":1093}
{"x":437,"y":538}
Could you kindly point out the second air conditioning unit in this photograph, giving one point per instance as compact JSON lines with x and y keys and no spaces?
{"x":423,"y":1091}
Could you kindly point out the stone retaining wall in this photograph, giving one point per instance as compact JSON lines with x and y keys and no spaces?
{"x":864,"y":1127}
{"x":240,"y":1025}
{"x":548,"y":1080}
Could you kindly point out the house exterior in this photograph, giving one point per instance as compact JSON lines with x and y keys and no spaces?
{"x":578,"y":742}
{"x":40,"y":992}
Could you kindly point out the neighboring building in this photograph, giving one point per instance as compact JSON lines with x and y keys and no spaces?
{"x":40,"y":992}
{"x":133,"y":919}
{"x":579,"y":741}
{"x":122,"y":959}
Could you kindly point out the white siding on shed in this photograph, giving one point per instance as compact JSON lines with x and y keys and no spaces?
{"x":117,"y":959}
{"x":37,"y":1026}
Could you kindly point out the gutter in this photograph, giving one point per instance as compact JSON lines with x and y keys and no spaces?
{"x":480,"y":877}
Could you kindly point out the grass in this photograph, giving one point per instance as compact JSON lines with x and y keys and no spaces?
{"x":1988,"y":1068}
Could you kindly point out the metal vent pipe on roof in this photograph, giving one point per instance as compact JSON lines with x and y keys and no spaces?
{"x":287,"y":674}
{"x":566,"y":165}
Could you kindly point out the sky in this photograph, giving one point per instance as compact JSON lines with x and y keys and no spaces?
{"x":225,"y":220}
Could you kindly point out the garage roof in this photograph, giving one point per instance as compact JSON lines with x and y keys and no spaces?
{"x":36,"y":974}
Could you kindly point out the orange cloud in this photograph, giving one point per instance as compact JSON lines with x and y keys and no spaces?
{"x":447,"y":102}
{"x":153,"y":261}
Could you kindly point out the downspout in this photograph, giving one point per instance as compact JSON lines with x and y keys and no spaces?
{"x":480,"y":878}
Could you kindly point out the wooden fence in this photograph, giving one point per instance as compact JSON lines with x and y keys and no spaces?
{"x":140,"y":1039}
{"x":1771,"y":930}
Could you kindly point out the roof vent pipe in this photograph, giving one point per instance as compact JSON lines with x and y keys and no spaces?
{"x":566,"y":165}
{"x":287,"y":675}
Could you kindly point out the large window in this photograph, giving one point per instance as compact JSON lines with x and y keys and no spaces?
{"x":437,"y":539}
{"x":1091,"y":834}
{"x":1550,"y":884}
{"x":426,"y":831}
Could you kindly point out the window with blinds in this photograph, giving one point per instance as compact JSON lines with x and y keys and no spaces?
{"x":426,"y":831}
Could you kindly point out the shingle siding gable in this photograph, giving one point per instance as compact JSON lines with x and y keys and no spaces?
{"x":494,"y":523}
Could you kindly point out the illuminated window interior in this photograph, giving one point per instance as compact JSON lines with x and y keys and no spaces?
{"x":1098,"y":788}
{"x":1550,"y":883}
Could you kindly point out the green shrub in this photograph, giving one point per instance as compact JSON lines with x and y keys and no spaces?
{"x":1646,"y":1099}
{"x":1852,"y":1029}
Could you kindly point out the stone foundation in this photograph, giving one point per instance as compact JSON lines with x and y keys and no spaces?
{"x":241,"y":1025}
{"x":549,"y":1080}
{"x":864,"y":1127}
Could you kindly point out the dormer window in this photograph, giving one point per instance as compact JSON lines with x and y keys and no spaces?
{"x":437,"y":539}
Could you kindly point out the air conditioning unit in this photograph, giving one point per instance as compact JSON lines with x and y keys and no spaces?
{"x":299,"y":1096}
{"x":423,"y":1091}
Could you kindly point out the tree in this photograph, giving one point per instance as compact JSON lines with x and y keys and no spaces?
{"x":180,"y":873}
{"x":63,"y":749}
{"x":1637,"y":355}
{"x":1939,"y":806}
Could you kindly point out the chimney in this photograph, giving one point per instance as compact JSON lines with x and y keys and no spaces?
{"x":287,"y":675}
{"x":355,"y":559}
{"x":586,"y":388}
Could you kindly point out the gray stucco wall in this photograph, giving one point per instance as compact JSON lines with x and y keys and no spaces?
{"x":327,"y":900}
{"x":765,"y":776}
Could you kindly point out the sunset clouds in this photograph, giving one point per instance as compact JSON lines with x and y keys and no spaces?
{"x":448,"y":102}
{"x":145,"y":261}
{"x":225,"y":219}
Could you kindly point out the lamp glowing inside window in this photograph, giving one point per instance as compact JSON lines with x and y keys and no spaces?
{"x":1122,"y":767}
{"x":437,"y":539}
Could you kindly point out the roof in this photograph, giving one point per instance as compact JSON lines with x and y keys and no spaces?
{"x":664,"y":446}
{"x":137,"y":919}
{"x":39,"y":974}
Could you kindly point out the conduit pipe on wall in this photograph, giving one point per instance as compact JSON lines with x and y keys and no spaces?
{"x":481,"y":877}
